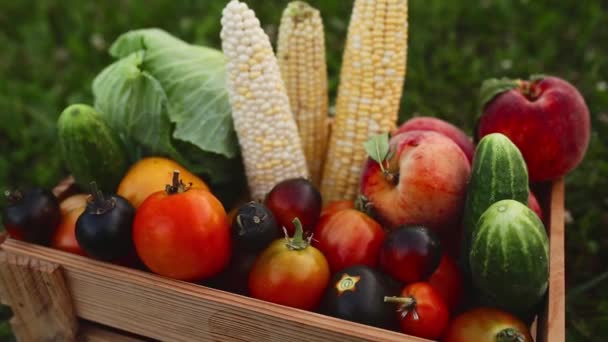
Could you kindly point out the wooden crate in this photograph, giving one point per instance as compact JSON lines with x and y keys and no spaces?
{"x":56,"y":296}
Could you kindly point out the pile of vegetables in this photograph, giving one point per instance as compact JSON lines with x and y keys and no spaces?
{"x":220,"y":168}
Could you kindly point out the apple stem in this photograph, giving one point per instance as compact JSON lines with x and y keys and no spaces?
{"x":510,"y":335}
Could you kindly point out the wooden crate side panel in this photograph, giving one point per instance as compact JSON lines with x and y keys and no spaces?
{"x":165,"y":309}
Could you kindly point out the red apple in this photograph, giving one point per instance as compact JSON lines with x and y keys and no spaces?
{"x":427,"y":123}
{"x":533,"y":204}
{"x":424,"y":181}
{"x":546,"y":118}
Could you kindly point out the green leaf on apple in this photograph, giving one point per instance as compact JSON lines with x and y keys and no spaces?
{"x":492,"y":87}
{"x":378,"y":148}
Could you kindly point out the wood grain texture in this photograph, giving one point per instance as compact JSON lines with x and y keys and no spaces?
{"x":95,"y":333}
{"x":552,"y":323}
{"x":170,"y":310}
{"x":38,"y":296}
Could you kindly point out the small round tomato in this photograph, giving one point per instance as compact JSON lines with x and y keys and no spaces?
{"x":64,"y":237}
{"x":486,"y":325}
{"x":182,"y":233}
{"x":348,"y":237}
{"x":294,"y":198}
{"x":336,"y":206}
{"x":447,"y":280}
{"x":290,"y":272}
{"x":152,"y":174}
{"x":422,"y":311}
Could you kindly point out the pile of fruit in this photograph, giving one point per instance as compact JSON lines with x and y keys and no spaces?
{"x":414,"y":228}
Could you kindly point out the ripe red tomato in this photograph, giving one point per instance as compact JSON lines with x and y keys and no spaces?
{"x":290,"y":272}
{"x":422,"y":312}
{"x":183,"y":234}
{"x":336,"y":206}
{"x":447,"y":280}
{"x":486,"y":325}
{"x":348,"y":237}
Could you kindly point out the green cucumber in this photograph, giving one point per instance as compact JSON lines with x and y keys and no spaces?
{"x":509,"y":259}
{"x":90,"y":149}
{"x":499,"y":172}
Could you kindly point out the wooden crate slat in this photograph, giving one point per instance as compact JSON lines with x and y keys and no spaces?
{"x":38,"y":296}
{"x":90,"y":332}
{"x":166,"y":309}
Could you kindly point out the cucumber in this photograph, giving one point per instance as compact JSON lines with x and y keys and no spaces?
{"x":90,"y":149}
{"x":499,"y":172}
{"x":509,"y":259}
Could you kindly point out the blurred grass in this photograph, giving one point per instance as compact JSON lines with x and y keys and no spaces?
{"x":52,"y":49}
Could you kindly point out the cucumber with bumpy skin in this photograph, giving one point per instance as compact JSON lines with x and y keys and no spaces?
{"x":90,"y":149}
{"x":499,"y":172}
{"x":509,"y":258}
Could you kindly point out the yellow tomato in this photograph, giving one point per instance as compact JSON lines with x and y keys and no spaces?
{"x":153,"y":174}
{"x":73,"y":202}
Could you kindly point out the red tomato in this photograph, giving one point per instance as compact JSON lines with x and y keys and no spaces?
{"x":348,"y":237}
{"x":336,"y":206}
{"x":422,"y":311}
{"x":486,"y":325}
{"x":64,"y":237}
{"x":290,"y":272}
{"x":183,"y":235}
{"x":447,"y":280}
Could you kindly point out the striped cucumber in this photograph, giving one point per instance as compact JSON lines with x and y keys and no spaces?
{"x":509,"y":259}
{"x":499,"y":172}
{"x":90,"y":149}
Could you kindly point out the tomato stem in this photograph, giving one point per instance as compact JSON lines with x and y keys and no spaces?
{"x":510,"y":335}
{"x":97,"y":203}
{"x":297,"y":242}
{"x":177,"y":185}
{"x":407,"y":305}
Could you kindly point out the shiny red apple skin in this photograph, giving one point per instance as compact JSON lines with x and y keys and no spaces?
{"x":432,"y":176}
{"x":547,"y":119}
{"x":427,"y":123}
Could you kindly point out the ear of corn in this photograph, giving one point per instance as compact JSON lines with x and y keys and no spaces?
{"x":301,"y":55}
{"x":266,"y":130}
{"x":371,"y":81}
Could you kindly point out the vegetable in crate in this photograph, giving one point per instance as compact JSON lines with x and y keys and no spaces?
{"x":448,"y":282}
{"x":166,"y":97}
{"x":371,"y":82}
{"x":105,"y":229}
{"x":349,"y":237}
{"x":65,"y":236}
{"x":509,"y":258}
{"x":254,"y":227}
{"x":31,"y":215}
{"x":357,"y":294}
{"x":417,"y":177}
{"x":152,"y":174}
{"x":422,"y":311}
{"x":499,"y":172}
{"x":545,"y":117}
{"x":301,"y":57}
{"x":182,"y":232}
{"x":295,"y":197}
{"x":267,"y":132}
{"x":486,"y":325}
{"x":410,"y":254}
{"x":290,"y":272}
{"x":91,"y":150}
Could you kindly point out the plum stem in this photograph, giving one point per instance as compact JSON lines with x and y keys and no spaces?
{"x":509,"y":335}
{"x":97,"y":203}
{"x":297,"y":242}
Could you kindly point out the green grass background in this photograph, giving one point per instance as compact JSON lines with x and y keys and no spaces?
{"x":52,"y":49}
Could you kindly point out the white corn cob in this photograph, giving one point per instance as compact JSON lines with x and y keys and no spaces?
{"x":301,"y":55}
{"x":266,"y":129}
{"x":371,"y":82}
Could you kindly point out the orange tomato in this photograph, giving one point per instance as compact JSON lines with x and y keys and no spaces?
{"x":64,"y":237}
{"x":486,"y":325}
{"x":184,"y":235}
{"x":152,"y":174}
